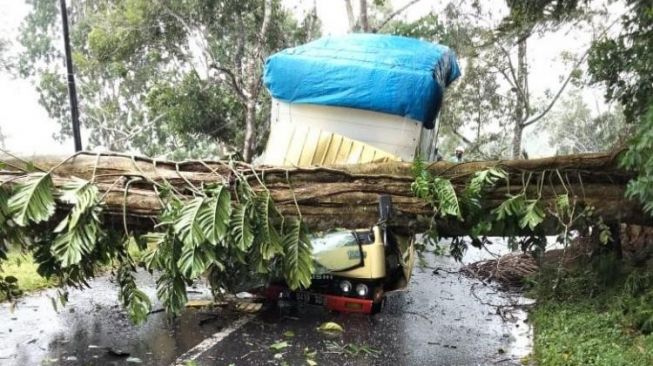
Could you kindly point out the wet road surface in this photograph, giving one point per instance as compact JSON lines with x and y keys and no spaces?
{"x":92,"y":329}
{"x":436,"y":321}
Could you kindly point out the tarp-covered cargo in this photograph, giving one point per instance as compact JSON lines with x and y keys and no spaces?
{"x":388,"y":74}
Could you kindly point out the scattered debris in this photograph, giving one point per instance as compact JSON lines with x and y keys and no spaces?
{"x":508,"y":271}
{"x":330,"y":327}
{"x":249,"y":307}
{"x":279,"y":346}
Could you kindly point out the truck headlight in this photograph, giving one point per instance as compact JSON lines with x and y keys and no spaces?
{"x":345,"y":286}
{"x":362,"y":289}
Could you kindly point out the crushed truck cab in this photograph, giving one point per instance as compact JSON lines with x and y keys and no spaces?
{"x":356,"y":99}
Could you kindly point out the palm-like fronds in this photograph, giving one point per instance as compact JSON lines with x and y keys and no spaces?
{"x":32,"y":200}
{"x":270,"y":240}
{"x":80,"y":229}
{"x":219,"y":209}
{"x":446,"y":196}
{"x":195,"y":260}
{"x":136,"y":302}
{"x":297,"y":260}
{"x":242,"y":234}
{"x":188,"y":225}
{"x":171,"y":290}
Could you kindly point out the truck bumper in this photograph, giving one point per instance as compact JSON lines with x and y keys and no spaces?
{"x":342,"y":304}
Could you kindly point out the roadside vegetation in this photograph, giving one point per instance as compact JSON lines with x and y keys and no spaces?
{"x":23,"y":269}
{"x":579,"y":320}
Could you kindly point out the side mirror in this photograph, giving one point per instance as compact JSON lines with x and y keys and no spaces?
{"x":385,"y":208}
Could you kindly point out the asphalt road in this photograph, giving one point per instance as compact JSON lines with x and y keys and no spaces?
{"x":436,"y":322}
{"x":441,"y":319}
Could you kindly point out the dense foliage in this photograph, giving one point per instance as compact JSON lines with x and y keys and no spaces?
{"x":623,"y":63}
{"x":231,"y":234}
{"x":168,"y":78}
{"x":598,"y":313}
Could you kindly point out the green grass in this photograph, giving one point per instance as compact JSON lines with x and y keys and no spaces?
{"x":587,"y":333}
{"x":589,"y":322}
{"x":22,"y":267}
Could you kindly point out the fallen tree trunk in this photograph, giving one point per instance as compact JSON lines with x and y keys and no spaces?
{"x":340,"y":196}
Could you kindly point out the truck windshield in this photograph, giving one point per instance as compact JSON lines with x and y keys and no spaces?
{"x":336,"y":251}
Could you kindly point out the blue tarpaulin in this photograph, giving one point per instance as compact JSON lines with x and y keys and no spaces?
{"x":389,"y":74}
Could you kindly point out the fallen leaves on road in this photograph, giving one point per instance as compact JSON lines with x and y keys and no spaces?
{"x":279,"y":346}
{"x":330,"y":327}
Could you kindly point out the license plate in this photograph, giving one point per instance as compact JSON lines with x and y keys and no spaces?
{"x":310,"y":298}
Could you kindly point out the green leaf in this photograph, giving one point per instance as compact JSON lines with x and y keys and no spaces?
{"x":446,"y":196}
{"x":297,"y":260}
{"x":187,"y":225}
{"x":533,"y":215}
{"x":69,"y":247}
{"x":219,"y":209}
{"x":279,"y":346}
{"x":195,"y":260}
{"x":514,"y":206}
{"x":32,"y":200}
{"x":136,"y":302}
{"x":79,"y":231}
{"x":270,"y":240}
{"x":171,"y":290}
{"x":83,"y":195}
{"x":330,"y":327}
{"x":241,"y":226}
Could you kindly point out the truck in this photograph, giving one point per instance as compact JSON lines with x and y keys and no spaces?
{"x":356,"y":99}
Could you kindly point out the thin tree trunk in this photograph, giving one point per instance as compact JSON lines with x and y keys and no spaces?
{"x":350,"y":16}
{"x":522,"y":106}
{"x":364,"y":24}
{"x":250,"y":130}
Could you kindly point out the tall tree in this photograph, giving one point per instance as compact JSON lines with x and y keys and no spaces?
{"x":373,"y":16}
{"x":525,"y":17}
{"x":163,"y":76}
{"x":624,"y":64}
{"x":574,"y":129}
{"x":477,"y":110}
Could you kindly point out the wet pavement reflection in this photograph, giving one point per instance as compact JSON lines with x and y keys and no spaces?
{"x":92,"y":329}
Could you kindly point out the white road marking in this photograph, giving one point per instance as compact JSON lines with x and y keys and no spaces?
{"x":208,"y":343}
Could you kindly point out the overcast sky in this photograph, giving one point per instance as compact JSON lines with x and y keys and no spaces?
{"x":29,"y":130}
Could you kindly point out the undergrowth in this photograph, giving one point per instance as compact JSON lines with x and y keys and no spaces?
{"x":597,"y":314}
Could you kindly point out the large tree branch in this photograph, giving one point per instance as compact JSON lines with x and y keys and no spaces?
{"x":546,"y":110}
{"x":342,"y":196}
{"x":513,"y":79}
{"x":394,"y":14}
{"x":235,"y":86}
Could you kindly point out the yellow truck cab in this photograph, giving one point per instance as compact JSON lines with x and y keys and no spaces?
{"x":356,"y":99}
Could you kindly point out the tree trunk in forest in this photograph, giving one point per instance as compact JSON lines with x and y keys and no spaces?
{"x":364,"y":23}
{"x":250,"y":130}
{"x":522,"y":106}
{"x":345,"y":196}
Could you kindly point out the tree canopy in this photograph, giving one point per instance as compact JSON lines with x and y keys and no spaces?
{"x":162,"y":77}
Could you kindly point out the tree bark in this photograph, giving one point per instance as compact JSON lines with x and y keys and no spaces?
{"x":364,"y":23}
{"x":522,"y":106}
{"x":345,"y":196}
{"x":250,"y":130}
